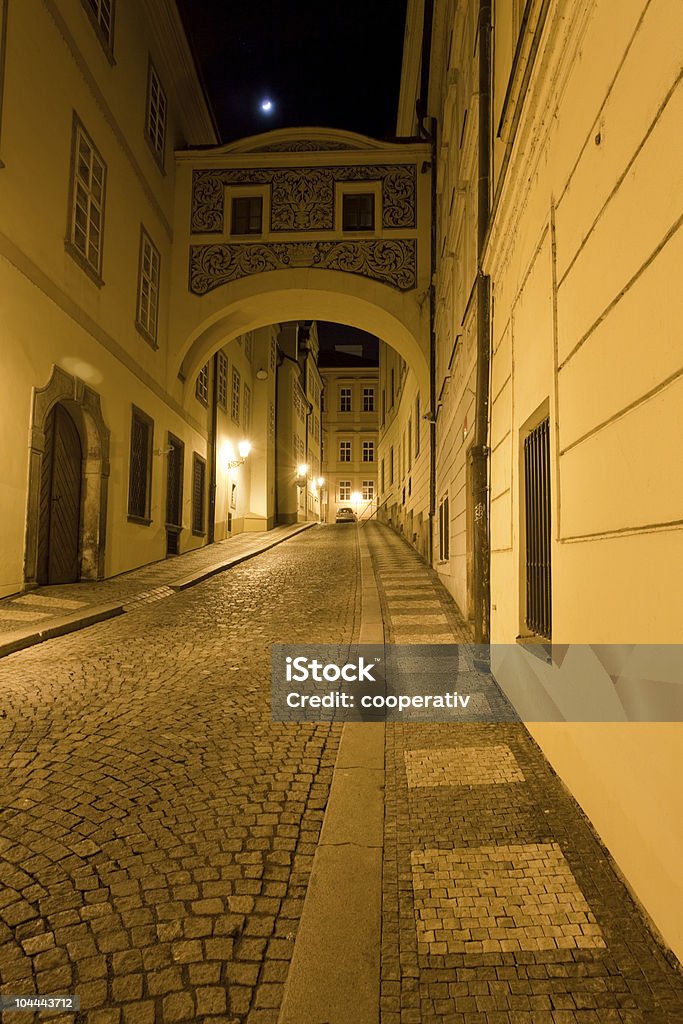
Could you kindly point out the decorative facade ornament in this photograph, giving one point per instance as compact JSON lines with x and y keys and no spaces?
{"x":302,"y":198}
{"x":302,"y":146}
{"x":390,"y":260}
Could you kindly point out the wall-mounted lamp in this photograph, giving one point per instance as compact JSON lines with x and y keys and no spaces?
{"x":261,"y":374}
{"x":163,"y":451}
{"x":302,"y":474}
{"x":227,"y":456}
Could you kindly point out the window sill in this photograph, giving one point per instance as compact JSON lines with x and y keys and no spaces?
{"x":199,"y":533}
{"x":140,"y":520}
{"x":156,"y":155}
{"x":146,"y":336}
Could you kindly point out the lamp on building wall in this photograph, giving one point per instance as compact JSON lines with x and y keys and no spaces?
{"x":261,"y":374}
{"x":228,"y":460}
{"x":301,"y":474}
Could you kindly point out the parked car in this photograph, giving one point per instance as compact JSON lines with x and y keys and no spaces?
{"x":346,"y":515}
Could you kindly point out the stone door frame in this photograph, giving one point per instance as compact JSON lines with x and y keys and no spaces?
{"x":83,"y":403}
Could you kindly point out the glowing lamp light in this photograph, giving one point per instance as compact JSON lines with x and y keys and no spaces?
{"x":321,"y":481}
{"x":356,"y":498}
{"x":267,"y":106}
{"x":302,"y":469}
{"x":244,"y":448}
{"x":227,"y":458}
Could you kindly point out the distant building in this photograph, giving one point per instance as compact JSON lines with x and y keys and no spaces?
{"x":350,"y":438}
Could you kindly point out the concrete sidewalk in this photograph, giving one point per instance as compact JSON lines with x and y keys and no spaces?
{"x":47,"y":612}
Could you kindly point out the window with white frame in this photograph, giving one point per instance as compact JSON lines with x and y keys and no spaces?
{"x":222,"y":382}
{"x":155,"y":124}
{"x":368,"y":451}
{"x":368,"y":399}
{"x":344,"y":451}
{"x":368,"y":490}
{"x":87,"y":201}
{"x":235,"y":402}
{"x":201,"y":389}
{"x":345,"y":399}
{"x":148,"y":288}
{"x":344,"y":490}
{"x":102,"y":16}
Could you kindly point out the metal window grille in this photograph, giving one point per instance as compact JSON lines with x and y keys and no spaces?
{"x":201,"y":389}
{"x":235,"y":403}
{"x":174,"y":493}
{"x":417,"y":426}
{"x":444,"y":530}
{"x":140,"y":466}
{"x":391,"y":465}
{"x":148,"y":287}
{"x":368,"y":399}
{"x":87,"y":213}
{"x":368,"y":451}
{"x":156,"y":113}
{"x":345,"y":399}
{"x":358,"y":212}
{"x":247,"y":215}
{"x":537,"y":510}
{"x":198,"y":478}
{"x":344,"y":451}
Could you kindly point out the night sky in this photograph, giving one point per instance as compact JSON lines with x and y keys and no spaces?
{"x":324,"y":63}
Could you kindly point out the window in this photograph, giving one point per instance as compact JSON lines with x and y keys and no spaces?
{"x":410,"y":444}
{"x":345,"y":399}
{"x":148,"y":288}
{"x":538,"y":537}
{"x":86,"y":218}
{"x":358,"y":212}
{"x":222,"y":383}
{"x":344,"y":490}
{"x":444,"y":530}
{"x":381,"y":477}
{"x":246,"y":407}
{"x":368,"y":490}
{"x":201,"y":389}
{"x":140,"y":475}
{"x":247,"y":216}
{"x":368,"y":399}
{"x":344,"y":451}
{"x":101,"y":14}
{"x":322,"y":401}
{"x":155,"y":125}
{"x":198,"y":479}
{"x":417,"y":426}
{"x":273,"y":355}
{"x":249,"y":346}
{"x":383,"y":411}
{"x":235,"y":402}
{"x":392,"y":390}
{"x":174,"y":482}
{"x":391,"y":465}
{"x":368,"y":451}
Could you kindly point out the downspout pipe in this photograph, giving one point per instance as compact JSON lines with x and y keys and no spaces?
{"x":212,"y":451}
{"x":430,"y":133}
{"x":479,"y":453}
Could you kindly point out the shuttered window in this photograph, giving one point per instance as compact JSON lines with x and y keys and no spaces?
{"x":198,"y":481}
{"x":140,"y":474}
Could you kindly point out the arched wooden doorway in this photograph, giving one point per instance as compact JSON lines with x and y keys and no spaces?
{"x":60,"y":500}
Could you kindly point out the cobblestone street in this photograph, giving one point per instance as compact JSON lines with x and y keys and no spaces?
{"x":158,"y":830}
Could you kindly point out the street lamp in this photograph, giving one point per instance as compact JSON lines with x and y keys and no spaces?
{"x":227,"y":458}
{"x":356,"y":499}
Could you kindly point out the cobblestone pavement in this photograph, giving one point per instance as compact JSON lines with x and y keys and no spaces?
{"x":150,"y":583}
{"x":499,"y":904}
{"x":156,"y":827}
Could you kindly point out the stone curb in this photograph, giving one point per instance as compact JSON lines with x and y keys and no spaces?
{"x":204,"y":574}
{"x":19,"y":640}
{"x":334,"y":976}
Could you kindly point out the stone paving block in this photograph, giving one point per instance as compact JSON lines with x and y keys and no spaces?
{"x":462,"y":766}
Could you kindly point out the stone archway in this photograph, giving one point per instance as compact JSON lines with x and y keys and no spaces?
{"x":83,"y":404}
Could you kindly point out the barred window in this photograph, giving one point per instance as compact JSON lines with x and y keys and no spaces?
{"x":344,"y":451}
{"x":368,"y":490}
{"x":148,"y":288}
{"x":391,"y":465}
{"x":368,"y":451}
{"x":198,"y":505}
{"x":444,"y":530}
{"x":344,"y":490}
{"x":235,"y":401}
{"x":381,"y":477}
{"x":87,"y":201}
{"x":201,"y":389}
{"x":222,"y":383}
{"x":417,"y":426}
{"x":155,"y":125}
{"x":410,"y":444}
{"x":246,"y":407}
{"x":345,"y":399}
{"x":102,"y":16}
{"x":368,"y":399}
{"x":140,"y":472}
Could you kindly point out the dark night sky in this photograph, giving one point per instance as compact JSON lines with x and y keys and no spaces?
{"x":325,"y":63}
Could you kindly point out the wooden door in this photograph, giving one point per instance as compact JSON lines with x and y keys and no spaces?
{"x":174,"y":494}
{"x":60,"y":500}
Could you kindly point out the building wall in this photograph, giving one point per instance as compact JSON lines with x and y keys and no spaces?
{"x":54,"y":312}
{"x":583,"y":252}
{"x":356,"y":426}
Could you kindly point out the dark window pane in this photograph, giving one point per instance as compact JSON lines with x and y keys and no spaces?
{"x":359,"y":212}
{"x":247,"y":216}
